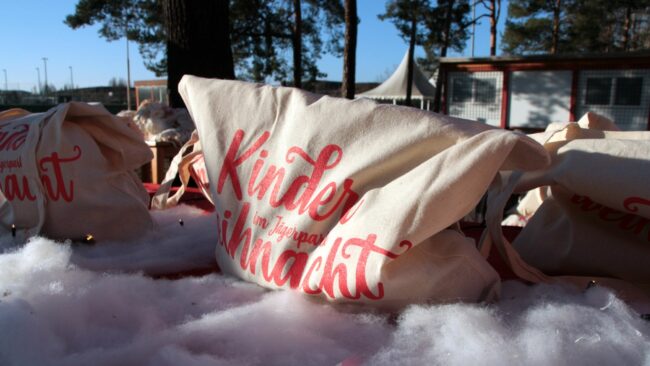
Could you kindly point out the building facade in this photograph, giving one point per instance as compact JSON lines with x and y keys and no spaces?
{"x":531,"y":92}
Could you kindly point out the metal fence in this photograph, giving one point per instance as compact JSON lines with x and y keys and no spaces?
{"x":620,"y":95}
{"x":475,"y":96}
{"x":538,"y":97}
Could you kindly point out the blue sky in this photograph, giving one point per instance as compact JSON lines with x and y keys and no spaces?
{"x":33,"y":29}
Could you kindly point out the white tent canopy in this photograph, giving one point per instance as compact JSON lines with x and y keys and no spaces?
{"x":395,"y":86}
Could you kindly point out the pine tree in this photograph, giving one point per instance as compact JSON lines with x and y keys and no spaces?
{"x":536,"y":26}
{"x":448,"y":24}
{"x":494,"y":12}
{"x":349,"y":53}
{"x":138,"y":20}
{"x":577,"y":26}
{"x":610,"y":25}
{"x":262,"y":33}
{"x":409,"y":17}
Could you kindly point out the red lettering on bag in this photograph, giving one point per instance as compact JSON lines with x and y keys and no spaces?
{"x":310,"y":201}
{"x":283,"y":231}
{"x":12,"y":189}
{"x":631,"y":203}
{"x":331,"y":272}
{"x":296,"y":266}
{"x":239,"y":233}
{"x":586,"y":204}
{"x":14,"y":139}
{"x":231,"y":161}
{"x":315,"y":266}
{"x":59,"y":189}
{"x":625,"y":221}
{"x":248,"y":262}
{"x":289,"y":266}
{"x":367,"y":247}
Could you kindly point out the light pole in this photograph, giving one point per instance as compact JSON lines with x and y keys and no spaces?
{"x":45,"y":71}
{"x":6,"y":84}
{"x":128,"y":75}
{"x":38,"y":75}
{"x":71,"y":79}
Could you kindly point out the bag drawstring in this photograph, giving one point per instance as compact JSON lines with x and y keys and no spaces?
{"x":179,"y":166}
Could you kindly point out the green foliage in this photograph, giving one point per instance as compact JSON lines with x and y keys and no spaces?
{"x":402,"y":12}
{"x":258,"y":32}
{"x":261,"y":32}
{"x":138,"y":20}
{"x":529,"y":28}
{"x":438,"y":28}
{"x":459,"y":22}
{"x":599,"y":25}
{"x":530,"y":36}
{"x":585,"y":26}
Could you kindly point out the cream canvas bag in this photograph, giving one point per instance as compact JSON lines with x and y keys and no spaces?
{"x":69,"y":172}
{"x":594,"y":219}
{"x":531,"y":201}
{"x":347,"y":200}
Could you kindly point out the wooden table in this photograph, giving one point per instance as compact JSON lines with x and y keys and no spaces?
{"x":163,"y":153}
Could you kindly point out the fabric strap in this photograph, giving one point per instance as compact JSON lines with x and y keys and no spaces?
{"x":179,"y":166}
{"x":638,"y":297}
{"x":498,"y":196}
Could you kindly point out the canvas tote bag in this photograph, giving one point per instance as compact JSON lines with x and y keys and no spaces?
{"x":69,"y":172}
{"x":594,"y":219}
{"x":530,"y":202}
{"x":347,"y":200}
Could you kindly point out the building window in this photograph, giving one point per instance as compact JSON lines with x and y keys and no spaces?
{"x":598,"y":90}
{"x":628,"y":91}
{"x":144,"y":92}
{"x":485,"y":90}
{"x":468,"y":89}
{"x":462,"y":90}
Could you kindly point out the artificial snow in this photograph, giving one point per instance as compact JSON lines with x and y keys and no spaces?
{"x":71,"y":304}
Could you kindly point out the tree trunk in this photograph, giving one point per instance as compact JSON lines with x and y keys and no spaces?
{"x":556,"y":26}
{"x":443,"y":53}
{"x":493,"y":26}
{"x":350,"y":51}
{"x":626,"y":28}
{"x":198,"y":42}
{"x":410,"y":63}
{"x":297,"y":44}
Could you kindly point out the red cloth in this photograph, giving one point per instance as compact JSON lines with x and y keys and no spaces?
{"x":193,"y":196}
{"x":495,"y":260}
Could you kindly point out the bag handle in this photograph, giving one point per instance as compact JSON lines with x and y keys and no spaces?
{"x":179,"y":166}
{"x":498,"y":195}
{"x":638,"y":297}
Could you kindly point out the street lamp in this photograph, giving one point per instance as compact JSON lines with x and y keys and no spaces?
{"x":45,"y":71}
{"x":71,"y":79}
{"x":128,"y":74}
{"x":38,"y":74}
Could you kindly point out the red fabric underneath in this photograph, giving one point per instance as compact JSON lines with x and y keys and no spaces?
{"x":495,"y":260}
{"x":194,"y":197}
